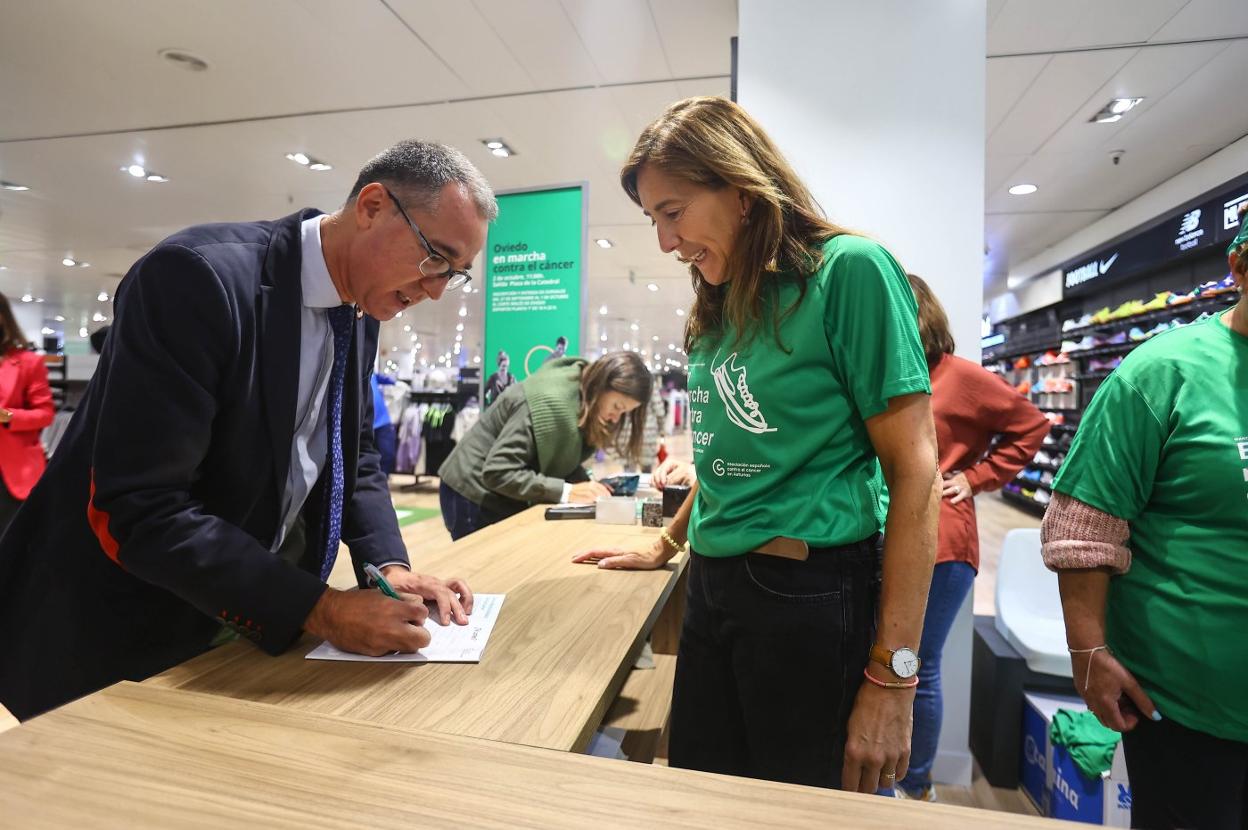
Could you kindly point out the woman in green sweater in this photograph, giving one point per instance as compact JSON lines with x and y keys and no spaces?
{"x":530,"y":445}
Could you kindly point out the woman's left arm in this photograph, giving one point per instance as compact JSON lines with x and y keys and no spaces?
{"x":36,"y":411}
{"x":877,"y":744}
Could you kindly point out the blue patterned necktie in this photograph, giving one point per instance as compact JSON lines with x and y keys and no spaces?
{"x":342,"y":323}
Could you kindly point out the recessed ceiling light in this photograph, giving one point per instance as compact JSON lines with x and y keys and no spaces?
{"x":655,"y":338}
{"x":13,"y":186}
{"x":46,"y":330}
{"x":459,"y":338}
{"x":68,"y":262}
{"x":1023,"y":189}
{"x":102,"y":296}
{"x":498,"y":147}
{"x":633,"y":327}
{"x":680,"y":312}
{"x":157,"y":178}
{"x":413,"y":338}
{"x":26,"y":298}
{"x":463,"y":311}
{"x":38,"y":299}
{"x":299,"y":158}
{"x":60,"y":318}
{"x":476,"y":359}
{"x":652,"y":286}
{"x":4,"y":267}
{"x":319,"y":166}
{"x":603,"y":243}
{"x":459,"y":327}
{"x":603,"y":338}
{"x":602,"y":309}
{"x":98,"y":317}
{"x":467,"y":288}
{"x":400,"y":314}
{"x":1115,"y":109}
{"x":84,"y":265}
{"x":136,"y":170}
{"x":626,"y":348}
{"x":82,"y":332}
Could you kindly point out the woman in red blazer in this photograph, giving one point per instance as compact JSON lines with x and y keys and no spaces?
{"x":25,"y":409}
{"x":972,"y":407}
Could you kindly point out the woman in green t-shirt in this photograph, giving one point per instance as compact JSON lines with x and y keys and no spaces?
{"x":808,"y":393}
{"x":1148,"y":534}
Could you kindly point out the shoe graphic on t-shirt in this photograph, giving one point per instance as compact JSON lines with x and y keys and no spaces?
{"x":734,"y":391}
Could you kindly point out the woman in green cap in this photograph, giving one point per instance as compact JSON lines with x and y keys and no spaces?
{"x":809,"y":392}
{"x":1148,"y":532}
{"x":530,"y":445}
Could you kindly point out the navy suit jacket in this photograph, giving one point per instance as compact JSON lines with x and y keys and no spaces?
{"x":153,"y":523}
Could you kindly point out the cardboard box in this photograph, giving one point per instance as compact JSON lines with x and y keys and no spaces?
{"x":1049,"y":777}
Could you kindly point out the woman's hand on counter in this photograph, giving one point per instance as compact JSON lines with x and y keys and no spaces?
{"x":626,"y":560}
{"x":672,"y":471}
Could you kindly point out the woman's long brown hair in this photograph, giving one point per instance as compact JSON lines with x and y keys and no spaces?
{"x":712,"y":142}
{"x":622,"y":372}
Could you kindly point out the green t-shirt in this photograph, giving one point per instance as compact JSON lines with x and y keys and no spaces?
{"x":1164,"y":445}
{"x":779,"y":439}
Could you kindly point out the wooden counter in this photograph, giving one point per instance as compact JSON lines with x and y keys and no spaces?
{"x":564,"y":642}
{"x":139,"y":756}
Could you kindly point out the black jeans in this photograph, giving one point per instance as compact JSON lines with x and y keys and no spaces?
{"x":770,"y":660}
{"x":1182,"y":778}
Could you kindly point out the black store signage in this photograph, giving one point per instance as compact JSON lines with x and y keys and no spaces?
{"x":1214,"y":221}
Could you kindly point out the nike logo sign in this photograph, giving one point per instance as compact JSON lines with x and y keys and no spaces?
{"x":1106,"y":264}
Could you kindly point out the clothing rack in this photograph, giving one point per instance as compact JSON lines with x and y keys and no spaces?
{"x":452,"y":398}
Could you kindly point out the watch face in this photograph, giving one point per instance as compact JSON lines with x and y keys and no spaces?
{"x":905,"y":663}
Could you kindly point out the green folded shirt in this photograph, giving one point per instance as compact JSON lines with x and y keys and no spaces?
{"x":1091,"y":745}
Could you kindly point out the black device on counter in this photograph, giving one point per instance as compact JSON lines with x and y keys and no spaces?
{"x":570,"y":511}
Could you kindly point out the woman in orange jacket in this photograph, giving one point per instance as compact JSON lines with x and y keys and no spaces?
{"x":25,"y":409}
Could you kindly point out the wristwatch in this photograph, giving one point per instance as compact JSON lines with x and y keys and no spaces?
{"x":903,"y":662}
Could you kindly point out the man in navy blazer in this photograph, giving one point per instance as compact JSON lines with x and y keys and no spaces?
{"x":222,"y":447}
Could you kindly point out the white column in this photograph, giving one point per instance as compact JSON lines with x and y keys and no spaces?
{"x":880,"y":107}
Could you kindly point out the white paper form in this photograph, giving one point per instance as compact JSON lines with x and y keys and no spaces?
{"x":448,"y":644}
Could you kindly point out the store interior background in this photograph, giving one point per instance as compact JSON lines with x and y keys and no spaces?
{"x":88,"y":90}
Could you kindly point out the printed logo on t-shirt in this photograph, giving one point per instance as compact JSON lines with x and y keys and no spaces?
{"x":1241,"y":444}
{"x":734,"y":390}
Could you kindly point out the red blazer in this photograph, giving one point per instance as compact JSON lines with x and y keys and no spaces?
{"x":971,"y":407}
{"x":24,"y":391}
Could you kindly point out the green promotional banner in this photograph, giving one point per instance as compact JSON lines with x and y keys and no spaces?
{"x":534,"y":278}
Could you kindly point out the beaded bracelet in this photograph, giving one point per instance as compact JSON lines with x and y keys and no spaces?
{"x":667,"y":537}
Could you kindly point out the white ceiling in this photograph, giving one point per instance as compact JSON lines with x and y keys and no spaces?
{"x":568,"y":83}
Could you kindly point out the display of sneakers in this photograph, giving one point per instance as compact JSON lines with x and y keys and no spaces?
{"x":1042,"y":497}
{"x":1023,"y":362}
{"x":1225,"y":285}
{"x":1049,"y":358}
{"x":1055,"y":417}
{"x":1157,"y":329}
{"x":1137,"y":334}
{"x":1159,"y":302}
{"x":1047,"y":478}
{"x":1043,"y":457}
{"x":1101,"y":316}
{"x":1024,"y":388}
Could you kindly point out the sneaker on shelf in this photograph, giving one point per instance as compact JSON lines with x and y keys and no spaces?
{"x":1157,"y":329}
{"x":1184,"y":297}
{"x":1048,"y":358}
{"x":1055,"y":418}
{"x":1023,"y":362}
{"x":1088,"y":342}
{"x":1101,"y":316}
{"x":1116,"y":339}
{"x":1207,"y":289}
{"x":1024,"y":388}
{"x":1029,"y":493}
{"x":1062,"y":357}
{"x":1047,"y":478}
{"x":1202,"y":318}
{"x":1049,"y":441}
{"x":1159,"y":302}
{"x":1127,"y":309}
{"x":1058,"y":458}
{"x":1067,"y":325}
{"x":1043,"y":457}
{"x":1042,"y":497}
{"x":1226,"y":285}
{"x":1137,"y":334}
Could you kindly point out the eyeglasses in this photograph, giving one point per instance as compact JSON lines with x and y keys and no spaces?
{"x":434,"y":265}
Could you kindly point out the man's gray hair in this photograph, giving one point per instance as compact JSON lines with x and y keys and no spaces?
{"x":420,"y":169}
